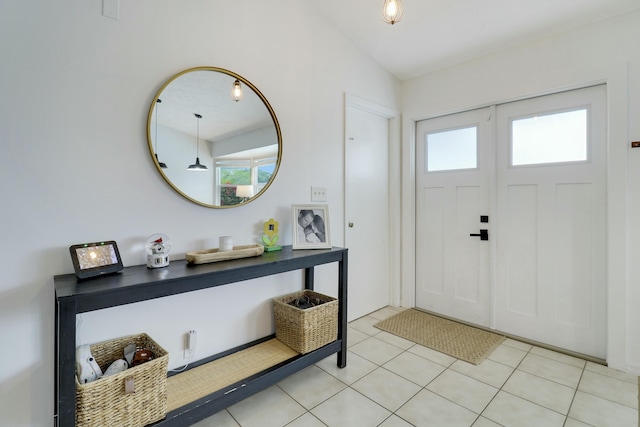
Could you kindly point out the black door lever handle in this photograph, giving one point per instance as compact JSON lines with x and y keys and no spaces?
{"x":484,"y":235}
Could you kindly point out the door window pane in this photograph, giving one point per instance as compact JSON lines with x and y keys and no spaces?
{"x":452,"y":149}
{"x":552,"y":138}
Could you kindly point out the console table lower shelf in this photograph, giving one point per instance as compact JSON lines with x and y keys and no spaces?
{"x":206,"y":379}
{"x":210,"y":387}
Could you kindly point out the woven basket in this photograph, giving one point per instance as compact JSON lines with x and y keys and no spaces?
{"x":305,"y":330}
{"x":104,"y":402}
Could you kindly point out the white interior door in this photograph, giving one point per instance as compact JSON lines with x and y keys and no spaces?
{"x":551,"y":201}
{"x":540,"y":176}
{"x":453,"y":170}
{"x":367,"y":209}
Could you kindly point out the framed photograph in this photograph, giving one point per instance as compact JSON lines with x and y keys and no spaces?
{"x":310,"y":226}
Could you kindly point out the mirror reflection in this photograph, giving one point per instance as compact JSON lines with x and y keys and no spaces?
{"x":214,"y":137}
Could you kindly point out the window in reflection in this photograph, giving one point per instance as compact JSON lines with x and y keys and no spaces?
{"x":232,"y":174}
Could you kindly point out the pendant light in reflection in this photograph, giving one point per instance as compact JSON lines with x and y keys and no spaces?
{"x":392,"y":11}
{"x":161,"y":164}
{"x":236,"y":91}
{"x":197,"y":166}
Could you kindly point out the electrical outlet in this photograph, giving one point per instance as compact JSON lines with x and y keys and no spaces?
{"x":190,"y":344}
{"x":318,"y":194}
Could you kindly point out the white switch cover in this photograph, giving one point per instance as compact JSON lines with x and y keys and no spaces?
{"x":318,"y":194}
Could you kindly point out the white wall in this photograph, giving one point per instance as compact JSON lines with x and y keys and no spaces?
{"x":75,"y":91}
{"x":606,"y":52}
{"x":633,"y":214}
{"x":250,"y":140}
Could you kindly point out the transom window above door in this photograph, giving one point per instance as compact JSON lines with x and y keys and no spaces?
{"x":452,"y":149}
{"x":550,"y":138}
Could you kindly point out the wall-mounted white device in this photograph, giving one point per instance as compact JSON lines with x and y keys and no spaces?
{"x":190,"y":344}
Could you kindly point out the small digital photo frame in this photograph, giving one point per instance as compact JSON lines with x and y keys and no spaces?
{"x":95,"y":259}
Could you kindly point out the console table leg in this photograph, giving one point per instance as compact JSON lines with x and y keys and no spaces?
{"x":308,"y":278}
{"x":342,"y":309}
{"x":65,"y":364}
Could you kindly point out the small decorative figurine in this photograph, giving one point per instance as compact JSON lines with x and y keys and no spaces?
{"x":157,"y":248}
{"x":271,"y":237}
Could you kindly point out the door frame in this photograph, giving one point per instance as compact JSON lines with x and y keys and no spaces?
{"x":394,"y":185}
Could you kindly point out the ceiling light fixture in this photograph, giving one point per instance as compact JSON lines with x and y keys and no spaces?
{"x":197,"y":166}
{"x":236,"y":91}
{"x":161,"y":164}
{"x":392,"y":11}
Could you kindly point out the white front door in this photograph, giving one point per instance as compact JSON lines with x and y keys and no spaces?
{"x":454,"y":166}
{"x":545,"y":177}
{"x":551,"y":210}
{"x":367,"y":208}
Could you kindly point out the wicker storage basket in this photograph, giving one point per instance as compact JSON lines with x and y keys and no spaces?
{"x":104,"y":402}
{"x":305,"y":330}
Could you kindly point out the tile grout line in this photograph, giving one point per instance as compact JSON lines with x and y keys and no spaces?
{"x":500,"y":389}
{"x":404,"y":350}
{"x":422,"y":388}
{"x":575,"y":392}
{"x":448,"y":367}
{"x":603,"y":397}
{"x":503,"y":384}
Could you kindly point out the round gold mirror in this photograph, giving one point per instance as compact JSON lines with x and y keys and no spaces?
{"x":214,"y":137}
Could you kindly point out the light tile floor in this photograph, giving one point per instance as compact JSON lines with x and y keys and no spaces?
{"x":392,"y":382}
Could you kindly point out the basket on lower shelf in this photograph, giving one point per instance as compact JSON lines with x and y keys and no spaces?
{"x":305,"y":330}
{"x":103,"y":402}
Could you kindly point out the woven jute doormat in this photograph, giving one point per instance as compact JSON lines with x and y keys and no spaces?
{"x":463,"y":342}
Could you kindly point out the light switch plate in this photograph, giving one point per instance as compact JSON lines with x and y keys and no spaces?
{"x":318,"y":194}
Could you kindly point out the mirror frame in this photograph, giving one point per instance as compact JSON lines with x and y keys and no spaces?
{"x":256,"y":91}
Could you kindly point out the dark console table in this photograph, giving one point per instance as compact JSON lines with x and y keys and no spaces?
{"x":140,"y":283}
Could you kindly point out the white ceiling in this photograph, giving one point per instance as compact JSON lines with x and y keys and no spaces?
{"x":435,"y":34}
{"x":208,"y":93}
